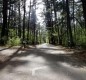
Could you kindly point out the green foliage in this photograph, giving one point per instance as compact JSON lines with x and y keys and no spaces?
{"x":15,"y":41}
{"x":12,"y":33}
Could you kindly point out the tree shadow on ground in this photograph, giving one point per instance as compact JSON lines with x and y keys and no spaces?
{"x":53,"y":62}
{"x":7,"y":60}
{"x":51,"y":49}
{"x":5,"y":48}
{"x":50,"y":58}
{"x":66,"y":58}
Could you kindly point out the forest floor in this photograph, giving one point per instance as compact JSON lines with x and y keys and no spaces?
{"x":42,"y":62}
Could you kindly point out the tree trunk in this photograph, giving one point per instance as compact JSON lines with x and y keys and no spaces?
{"x":19,"y":25}
{"x":24,"y":23}
{"x":4,"y":32}
{"x":69,"y":30}
{"x":28,"y":29}
{"x":84,"y":10}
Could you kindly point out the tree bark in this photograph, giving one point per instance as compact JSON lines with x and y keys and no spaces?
{"x":4,"y":32}
{"x":28,"y":29}
{"x":69,"y":30}
{"x":19,"y":26}
{"x":84,"y":10}
{"x":24,"y":23}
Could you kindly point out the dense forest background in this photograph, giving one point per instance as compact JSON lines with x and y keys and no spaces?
{"x":63,"y":22}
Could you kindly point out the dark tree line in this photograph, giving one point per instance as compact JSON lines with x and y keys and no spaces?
{"x":64,"y":24}
{"x":64,"y":21}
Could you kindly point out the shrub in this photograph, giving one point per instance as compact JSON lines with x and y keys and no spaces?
{"x":14,"y":41}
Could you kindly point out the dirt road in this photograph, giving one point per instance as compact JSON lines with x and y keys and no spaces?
{"x":44,"y":62}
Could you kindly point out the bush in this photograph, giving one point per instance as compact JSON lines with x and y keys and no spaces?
{"x":14,"y":41}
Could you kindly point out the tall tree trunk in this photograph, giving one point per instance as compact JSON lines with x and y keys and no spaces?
{"x":24,"y":8}
{"x":69,"y":30}
{"x":19,"y":26}
{"x":9,"y":15}
{"x":84,"y":10}
{"x":55,"y":14}
{"x":74,"y":19}
{"x":28,"y":29}
{"x":4,"y":32}
{"x":48,"y":18}
{"x":34,"y":31}
{"x":15,"y":20}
